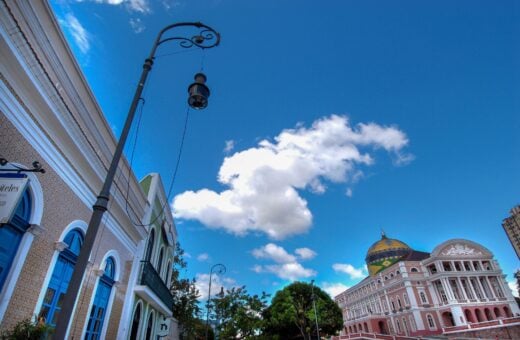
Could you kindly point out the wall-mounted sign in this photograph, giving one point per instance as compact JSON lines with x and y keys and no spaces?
{"x":12,"y":187}
{"x":163,"y":327}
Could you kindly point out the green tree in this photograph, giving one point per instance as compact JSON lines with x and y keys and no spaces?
{"x":185,"y":297}
{"x":238,"y":314}
{"x":291,"y":313}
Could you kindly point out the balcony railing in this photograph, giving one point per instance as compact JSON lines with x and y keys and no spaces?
{"x":152,"y":279}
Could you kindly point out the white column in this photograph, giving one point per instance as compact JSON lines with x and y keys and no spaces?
{"x":128,"y":306}
{"x":447,"y":289}
{"x":462,"y":289}
{"x":468,"y":279}
{"x":490,"y":288}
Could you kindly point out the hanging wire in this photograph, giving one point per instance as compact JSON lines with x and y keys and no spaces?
{"x":202,"y":58}
{"x":174,"y":174}
{"x":174,"y":53}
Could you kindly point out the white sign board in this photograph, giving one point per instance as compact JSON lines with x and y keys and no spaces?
{"x":11,"y":190}
{"x":163,"y":327}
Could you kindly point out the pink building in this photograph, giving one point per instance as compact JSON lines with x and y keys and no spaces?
{"x":457,"y":286}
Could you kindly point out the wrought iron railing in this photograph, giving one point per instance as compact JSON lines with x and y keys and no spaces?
{"x":152,"y":279}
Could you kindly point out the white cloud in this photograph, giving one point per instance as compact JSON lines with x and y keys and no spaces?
{"x":348,"y":192}
{"x":287,"y":266}
{"x":169,"y":4}
{"x":354,"y":273}
{"x":141,"y":6}
{"x":137,"y":25}
{"x":273,"y":252}
{"x":305,"y":253}
{"x":334,"y":289}
{"x":512,"y":285}
{"x":202,"y":257}
{"x":77,"y":31}
{"x":291,"y":271}
{"x":263,"y":181}
{"x":202,"y":283}
{"x":230,"y":145}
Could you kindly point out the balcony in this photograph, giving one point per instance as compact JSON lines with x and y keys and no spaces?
{"x":152,"y":288}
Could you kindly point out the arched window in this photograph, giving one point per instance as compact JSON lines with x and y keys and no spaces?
{"x":11,"y":234}
{"x":399,"y":302}
{"x":168,"y":273}
{"x":136,"y":320}
{"x":99,"y":307}
{"x":414,"y":270}
{"x":160,"y":261}
{"x":60,"y":278}
{"x":431,"y":322}
{"x":423,"y":297}
{"x":149,"y":247}
{"x":406,"y":300}
{"x":149,"y":327}
{"x":398,"y":325}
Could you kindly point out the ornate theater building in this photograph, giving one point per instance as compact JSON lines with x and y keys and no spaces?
{"x":458,"y":287}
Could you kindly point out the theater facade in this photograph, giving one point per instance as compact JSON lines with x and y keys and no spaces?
{"x":458,"y":286}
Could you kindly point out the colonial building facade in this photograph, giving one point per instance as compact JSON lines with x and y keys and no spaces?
{"x":48,"y":114}
{"x":413,"y":293}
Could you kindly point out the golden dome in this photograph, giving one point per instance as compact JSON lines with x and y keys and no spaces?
{"x":384,"y":253}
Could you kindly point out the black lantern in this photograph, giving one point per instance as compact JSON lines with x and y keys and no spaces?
{"x":199,"y":92}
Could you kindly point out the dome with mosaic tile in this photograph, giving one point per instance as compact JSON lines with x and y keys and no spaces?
{"x":384,"y":253}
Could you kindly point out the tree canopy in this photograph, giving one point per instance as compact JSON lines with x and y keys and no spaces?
{"x":238,"y":314}
{"x":185,"y":298}
{"x":291,"y":313}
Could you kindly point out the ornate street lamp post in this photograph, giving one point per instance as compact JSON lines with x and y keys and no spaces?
{"x":217,"y":269}
{"x":198,"y":99}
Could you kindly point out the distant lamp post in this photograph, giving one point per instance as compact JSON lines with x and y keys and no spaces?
{"x":206,"y":37}
{"x":217,"y":269}
{"x":314,"y":307}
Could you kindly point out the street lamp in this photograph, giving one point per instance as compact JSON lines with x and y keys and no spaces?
{"x":314,"y":307}
{"x":217,"y":269}
{"x":206,"y":37}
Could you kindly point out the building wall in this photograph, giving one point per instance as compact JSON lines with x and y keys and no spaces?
{"x":61,"y":208}
{"x":48,"y":114}
{"x":511,"y":226}
{"x":411,"y":317}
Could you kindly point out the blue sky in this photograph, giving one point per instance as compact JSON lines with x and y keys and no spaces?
{"x":327,"y":122}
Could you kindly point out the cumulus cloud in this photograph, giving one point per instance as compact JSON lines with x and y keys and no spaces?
{"x":334,"y":289}
{"x":305,"y":253}
{"x":77,"y":31}
{"x":286,"y":265}
{"x":512,"y":285}
{"x":263,"y":181}
{"x":348,"y":192}
{"x":217,"y":282}
{"x":137,"y":25}
{"x":354,"y":273}
{"x":273,"y":252}
{"x":288,"y":271}
{"x":141,"y":6}
{"x":203,"y":257}
{"x":230,"y":145}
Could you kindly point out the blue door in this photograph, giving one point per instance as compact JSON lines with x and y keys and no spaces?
{"x":99,"y":307}
{"x":60,"y":279}
{"x":11,"y":234}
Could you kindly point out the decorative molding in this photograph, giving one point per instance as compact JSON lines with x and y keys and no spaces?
{"x":98,"y":272}
{"x":461,"y":249}
{"x":36,"y":229}
{"x":60,"y":246}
